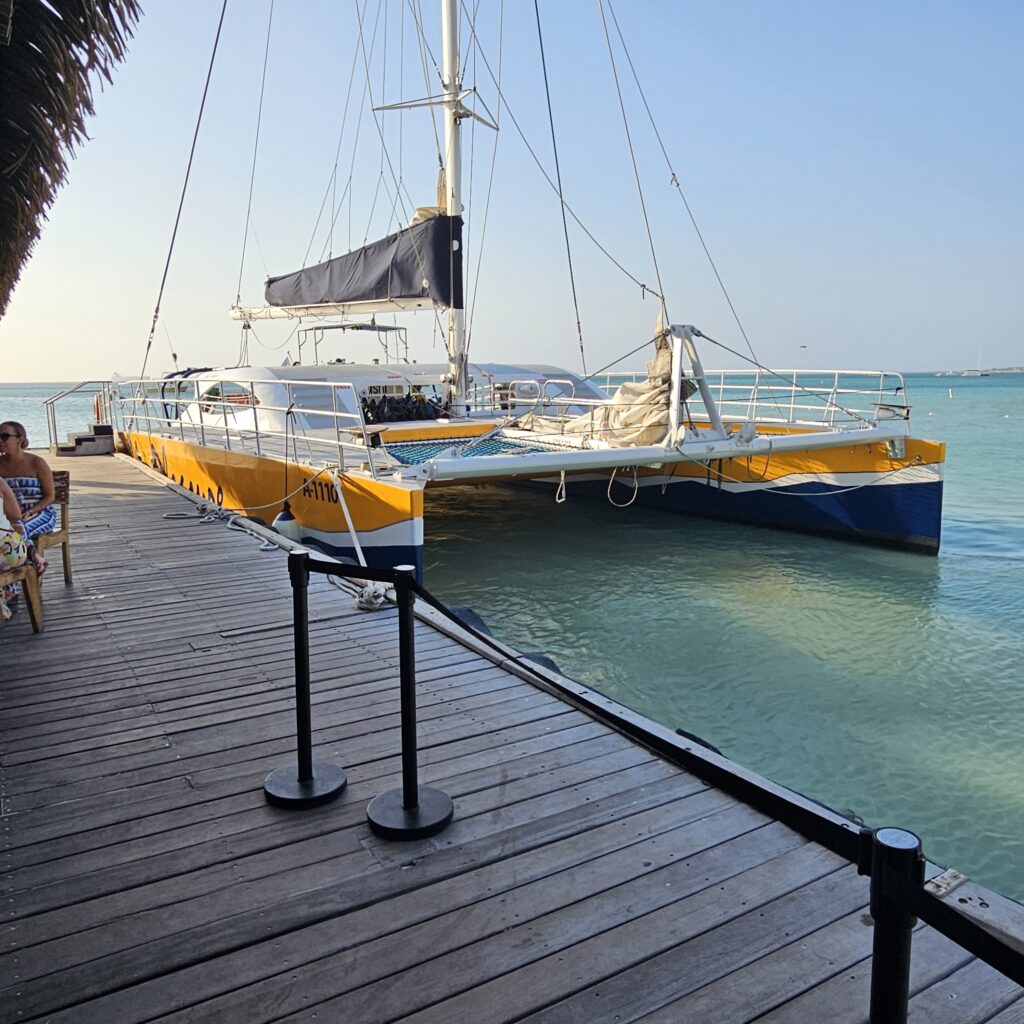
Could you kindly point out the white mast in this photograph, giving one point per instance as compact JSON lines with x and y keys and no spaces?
{"x":452,"y":192}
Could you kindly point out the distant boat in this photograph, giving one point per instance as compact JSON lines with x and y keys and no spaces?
{"x":975,"y":373}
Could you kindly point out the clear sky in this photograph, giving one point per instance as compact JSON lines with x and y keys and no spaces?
{"x":856,"y":171}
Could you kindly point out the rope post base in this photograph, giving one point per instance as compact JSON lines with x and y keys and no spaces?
{"x":283,"y":787}
{"x":413,"y":811}
{"x":305,"y":784}
{"x":389,"y":818}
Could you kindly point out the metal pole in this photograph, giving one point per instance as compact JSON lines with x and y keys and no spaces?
{"x":307,"y":784}
{"x":452,"y":85}
{"x":298,"y":572}
{"x":897,"y":868}
{"x":414,"y":811}
{"x":407,"y":686}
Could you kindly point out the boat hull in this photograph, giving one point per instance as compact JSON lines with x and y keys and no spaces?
{"x":905,"y":516}
{"x":387,"y":516}
{"x":860,"y":494}
{"x":865,"y":492}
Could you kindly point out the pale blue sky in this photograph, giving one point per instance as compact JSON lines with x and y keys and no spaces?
{"x":856,"y":170}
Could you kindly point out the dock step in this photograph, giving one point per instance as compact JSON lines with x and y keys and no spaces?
{"x":99,"y":442}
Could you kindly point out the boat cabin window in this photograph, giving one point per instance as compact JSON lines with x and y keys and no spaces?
{"x":226,"y":392}
{"x":317,"y":398}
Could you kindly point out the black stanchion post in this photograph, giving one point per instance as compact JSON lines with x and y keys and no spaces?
{"x":307,"y":784}
{"x":414,"y":811}
{"x":897,"y":869}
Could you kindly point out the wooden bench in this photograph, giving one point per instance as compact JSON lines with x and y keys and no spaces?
{"x":62,"y":535}
{"x":28,"y":578}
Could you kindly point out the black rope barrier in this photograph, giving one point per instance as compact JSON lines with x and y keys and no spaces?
{"x":307,"y":784}
{"x":892,"y":857}
{"x":411,"y":811}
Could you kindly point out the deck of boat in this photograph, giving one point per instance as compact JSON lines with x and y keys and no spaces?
{"x":583,"y":879}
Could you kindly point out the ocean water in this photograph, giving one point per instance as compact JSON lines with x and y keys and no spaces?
{"x":885,"y":683}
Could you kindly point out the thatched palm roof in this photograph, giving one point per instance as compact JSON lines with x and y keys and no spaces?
{"x":51,"y":52}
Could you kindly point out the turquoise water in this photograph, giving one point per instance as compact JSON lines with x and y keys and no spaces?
{"x":24,"y":403}
{"x":885,"y":683}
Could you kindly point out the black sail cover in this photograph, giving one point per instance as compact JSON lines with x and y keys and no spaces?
{"x":420,"y":262}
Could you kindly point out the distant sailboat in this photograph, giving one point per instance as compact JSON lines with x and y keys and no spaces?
{"x":977,"y":372}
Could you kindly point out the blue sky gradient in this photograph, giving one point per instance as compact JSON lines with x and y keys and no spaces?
{"x":856,"y":171}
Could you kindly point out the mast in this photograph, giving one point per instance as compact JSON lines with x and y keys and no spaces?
{"x":457,"y":374}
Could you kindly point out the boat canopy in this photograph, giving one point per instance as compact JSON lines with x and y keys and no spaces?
{"x":423,"y":261}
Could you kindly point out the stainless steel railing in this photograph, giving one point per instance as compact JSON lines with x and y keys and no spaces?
{"x":801,"y":398}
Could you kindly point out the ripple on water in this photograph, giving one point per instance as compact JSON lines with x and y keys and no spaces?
{"x":879,"y":681}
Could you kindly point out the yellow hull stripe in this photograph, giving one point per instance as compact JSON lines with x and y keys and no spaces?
{"x":257,"y":485}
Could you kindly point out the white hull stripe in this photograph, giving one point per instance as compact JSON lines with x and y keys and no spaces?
{"x":929,"y":474}
{"x":407,"y":534}
{"x":909,"y":475}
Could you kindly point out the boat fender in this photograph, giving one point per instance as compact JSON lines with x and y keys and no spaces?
{"x":699,"y":740}
{"x":470,"y":618}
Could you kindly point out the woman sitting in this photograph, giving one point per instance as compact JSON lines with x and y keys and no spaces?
{"x":13,"y":547}
{"x":30,"y":478}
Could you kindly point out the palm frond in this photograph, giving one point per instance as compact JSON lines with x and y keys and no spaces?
{"x":55,"y":51}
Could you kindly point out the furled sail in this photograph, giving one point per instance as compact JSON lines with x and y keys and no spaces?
{"x":420,"y":262}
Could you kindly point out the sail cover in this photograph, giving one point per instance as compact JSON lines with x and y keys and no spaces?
{"x":422,"y":261}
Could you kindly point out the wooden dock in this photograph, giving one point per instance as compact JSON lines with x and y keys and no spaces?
{"x":584,"y":879}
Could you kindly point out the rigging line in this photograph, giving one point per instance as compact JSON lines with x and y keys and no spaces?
{"x":674,"y":180}
{"x":387,"y":155}
{"x":490,"y":179}
{"x":347,"y":192}
{"x":276,"y":348}
{"x":337,"y":153}
{"x":632,"y":154}
{"x":255,"y":151}
{"x":790,"y":383}
{"x":561,"y":194}
{"x":547,"y":177}
{"x":424,"y":49}
{"x":367,"y":96}
{"x":618,"y":359}
{"x":472,"y":17}
{"x":184,"y":189}
{"x":170,"y":345}
{"x":467,"y":234}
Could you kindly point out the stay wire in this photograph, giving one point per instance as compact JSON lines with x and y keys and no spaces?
{"x":337,"y":154}
{"x":255,"y":152}
{"x":181,"y":201}
{"x":490,"y":179}
{"x":674,"y":181}
{"x":629,"y":142}
{"x":399,"y":189}
{"x":502,"y":101}
{"x":424,"y":48}
{"x":561,"y":194}
{"x":775,"y":373}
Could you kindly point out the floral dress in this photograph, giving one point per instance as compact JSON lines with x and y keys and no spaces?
{"x":29,"y":492}
{"x":13,"y":552}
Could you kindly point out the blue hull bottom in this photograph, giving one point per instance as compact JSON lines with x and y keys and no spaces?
{"x":907,"y":516}
{"x":377,"y":557}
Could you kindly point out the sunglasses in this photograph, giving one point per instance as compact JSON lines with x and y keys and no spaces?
{"x":4,"y":436}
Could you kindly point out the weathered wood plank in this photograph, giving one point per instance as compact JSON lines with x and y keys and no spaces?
{"x":583,"y":878}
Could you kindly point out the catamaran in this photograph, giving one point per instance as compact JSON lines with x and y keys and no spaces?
{"x":340,"y":455}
